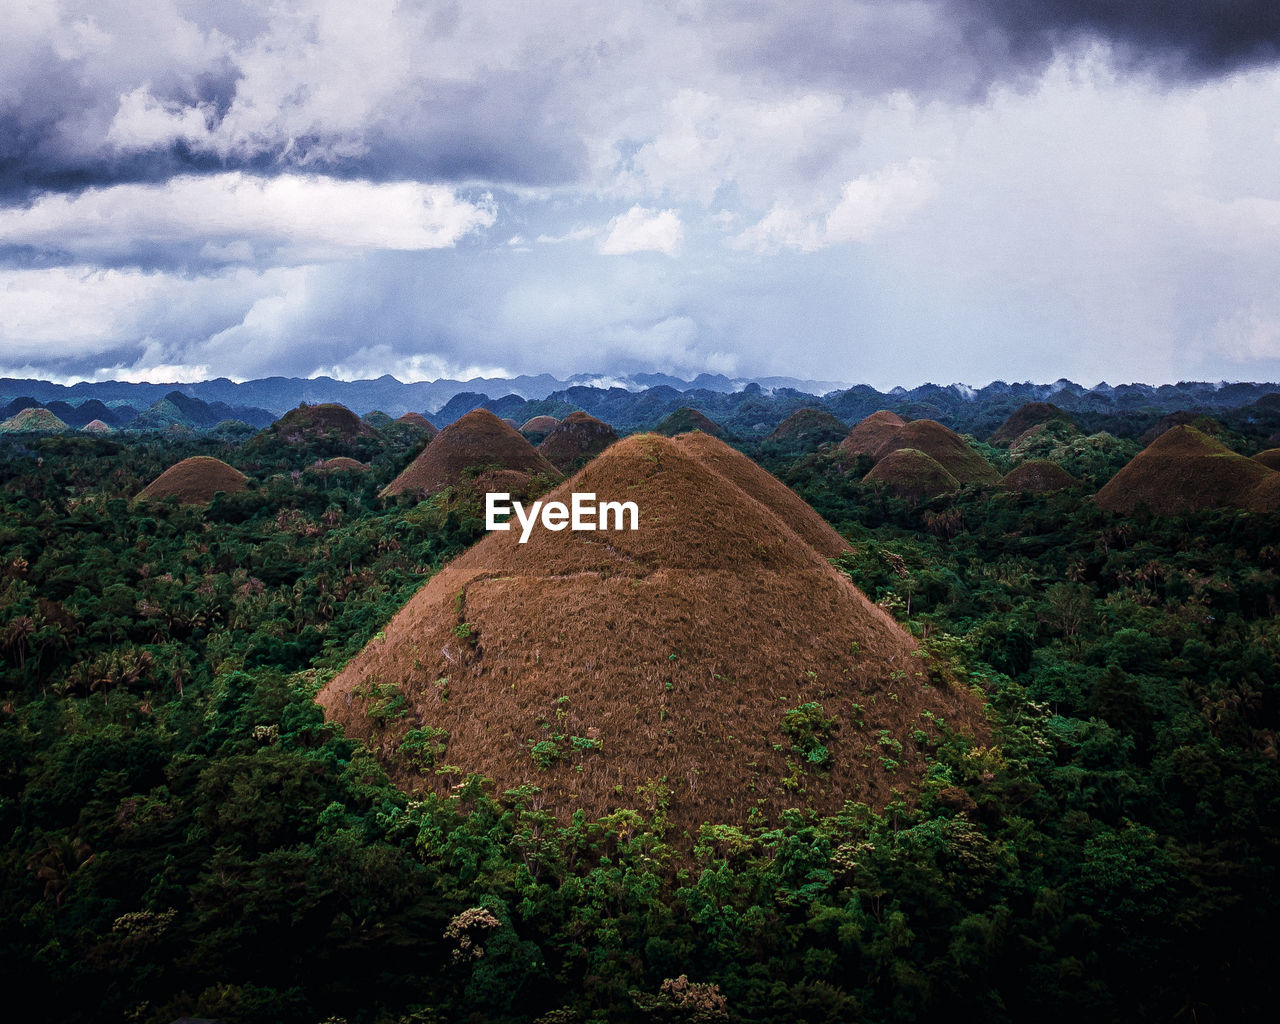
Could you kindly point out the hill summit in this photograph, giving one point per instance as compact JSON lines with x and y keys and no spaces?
{"x":473,"y":442}
{"x":710,"y":664}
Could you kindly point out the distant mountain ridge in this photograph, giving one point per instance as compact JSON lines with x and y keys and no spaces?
{"x":747,"y":408}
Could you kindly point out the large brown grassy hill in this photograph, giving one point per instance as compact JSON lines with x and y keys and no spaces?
{"x":912,"y":474}
{"x":195,"y":481}
{"x":478,"y":439}
{"x":878,"y":435}
{"x":1038,"y":475}
{"x":575,"y":439}
{"x":1184,"y":469}
{"x":710,"y":661}
{"x":1023,"y":418}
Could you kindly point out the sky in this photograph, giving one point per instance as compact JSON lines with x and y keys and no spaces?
{"x":886,"y":192}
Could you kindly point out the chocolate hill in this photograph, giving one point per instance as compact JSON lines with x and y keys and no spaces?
{"x":416,"y":419}
{"x":1270,"y":458}
{"x":912,"y":474}
{"x":33,"y":421}
{"x":314,"y":422}
{"x":1023,"y":418}
{"x":1038,"y":475}
{"x":878,"y":435}
{"x":710,"y":661}
{"x":809,"y":428}
{"x":195,"y":481}
{"x":874,"y":435}
{"x":1184,"y":469}
{"x":98,"y":427}
{"x":685,"y":419}
{"x":475,"y":441}
{"x":575,"y":439}
{"x":539,"y":425}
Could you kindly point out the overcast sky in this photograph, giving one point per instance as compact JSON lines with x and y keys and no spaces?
{"x":886,"y":192}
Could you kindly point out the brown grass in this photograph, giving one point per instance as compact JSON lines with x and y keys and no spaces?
{"x":1270,"y":458}
{"x":672,"y":653}
{"x":539,"y":425}
{"x":1184,"y":469}
{"x":766,"y":489}
{"x":874,"y":436}
{"x":576,"y":439}
{"x":195,"y":481}
{"x":478,"y":439}
{"x":1038,"y":475}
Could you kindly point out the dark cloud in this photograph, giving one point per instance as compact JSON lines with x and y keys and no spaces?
{"x":1194,"y":38}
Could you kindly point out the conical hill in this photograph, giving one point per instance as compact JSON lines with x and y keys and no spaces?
{"x":709,"y":662}
{"x":878,"y":436}
{"x":575,"y":439}
{"x":328,"y":421}
{"x":475,"y":441}
{"x":685,"y":419}
{"x":195,"y":481}
{"x":1038,"y":475}
{"x":416,"y":419}
{"x":1185,"y":469}
{"x":874,"y":435}
{"x":36,"y":420}
{"x":809,"y":427}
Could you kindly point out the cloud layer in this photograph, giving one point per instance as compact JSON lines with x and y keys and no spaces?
{"x":888,"y":191}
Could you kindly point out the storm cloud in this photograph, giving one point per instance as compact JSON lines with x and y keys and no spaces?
{"x":878,"y":190}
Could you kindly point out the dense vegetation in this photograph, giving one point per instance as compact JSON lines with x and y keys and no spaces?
{"x":185,"y":835}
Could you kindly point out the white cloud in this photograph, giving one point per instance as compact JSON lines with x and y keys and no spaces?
{"x":868,"y":206}
{"x":144,"y":122}
{"x":643,"y":230}
{"x":871,"y":204}
{"x":310,"y":216}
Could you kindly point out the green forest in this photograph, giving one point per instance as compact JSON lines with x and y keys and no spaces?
{"x":185,"y":835}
